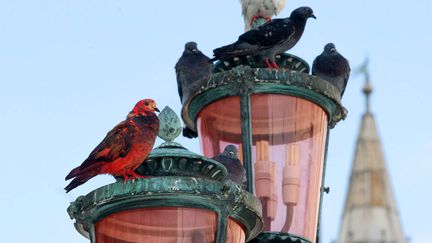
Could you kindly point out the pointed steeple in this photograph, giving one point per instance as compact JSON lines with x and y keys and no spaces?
{"x":370,"y":214}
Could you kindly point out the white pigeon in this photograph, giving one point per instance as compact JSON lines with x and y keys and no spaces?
{"x":260,"y":9}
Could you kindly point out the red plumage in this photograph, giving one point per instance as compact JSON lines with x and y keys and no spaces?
{"x":123,"y":149}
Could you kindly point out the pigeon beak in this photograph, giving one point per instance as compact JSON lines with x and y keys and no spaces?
{"x":195,"y":50}
{"x":313,"y":16}
{"x":156,"y":109}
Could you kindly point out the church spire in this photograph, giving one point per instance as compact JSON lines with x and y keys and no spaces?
{"x":370,"y":213}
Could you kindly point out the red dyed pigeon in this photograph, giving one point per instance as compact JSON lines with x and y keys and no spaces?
{"x":123,"y":149}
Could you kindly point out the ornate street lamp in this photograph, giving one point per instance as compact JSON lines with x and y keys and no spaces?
{"x":188,"y":198}
{"x":279,"y":119}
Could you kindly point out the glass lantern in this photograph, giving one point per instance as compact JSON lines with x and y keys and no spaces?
{"x":279,"y":121}
{"x":288,"y":137}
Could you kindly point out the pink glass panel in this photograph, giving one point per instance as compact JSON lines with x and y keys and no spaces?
{"x":235,"y":232}
{"x":158,"y":225}
{"x":219,"y":125}
{"x":288,"y":136}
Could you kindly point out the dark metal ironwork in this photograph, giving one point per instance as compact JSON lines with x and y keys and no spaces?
{"x":262,"y":80}
{"x":323,"y":188}
{"x":277,"y":237}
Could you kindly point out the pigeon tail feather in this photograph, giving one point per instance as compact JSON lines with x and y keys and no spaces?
{"x":73,"y":173}
{"x":78,"y":181}
{"x":233,"y":50}
{"x":78,"y":171}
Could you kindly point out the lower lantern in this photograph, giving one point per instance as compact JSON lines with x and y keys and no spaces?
{"x":164,"y":225}
{"x":187,"y":198}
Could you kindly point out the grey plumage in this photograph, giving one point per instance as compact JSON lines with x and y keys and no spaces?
{"x":330,"y":65}
{"x":268,"y":40}
{"x":235,"y":169}
{"x":192,"y":66}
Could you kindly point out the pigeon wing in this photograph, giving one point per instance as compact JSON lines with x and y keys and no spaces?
{"x":116,"y":144}
{"x":180,"y":76}
{"x":269,"y":34}
{"x":191,"y":68}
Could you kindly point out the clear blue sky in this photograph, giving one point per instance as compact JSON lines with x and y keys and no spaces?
{"x":71,"y":70}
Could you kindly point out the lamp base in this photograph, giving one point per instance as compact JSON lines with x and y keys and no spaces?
{"x":278,"y":237}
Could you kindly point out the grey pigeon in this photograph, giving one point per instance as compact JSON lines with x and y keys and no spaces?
{"x":192,"y":66}
{"x":235,"y":169}
{"x":333,"y":67}
{"x":268,"y":40}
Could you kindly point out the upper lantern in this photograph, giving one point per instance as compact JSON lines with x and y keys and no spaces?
{"x":278,"y":119}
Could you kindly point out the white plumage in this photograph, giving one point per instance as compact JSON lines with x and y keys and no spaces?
{"x":266,"y":9}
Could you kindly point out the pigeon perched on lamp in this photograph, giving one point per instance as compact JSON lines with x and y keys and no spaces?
{"x":229,"y":158}
{"x":330,"y":65}
{"x":259,"y":11}
{"x":268,"y":40}
{"x":123,"y":149}
{"x":192,"y":67}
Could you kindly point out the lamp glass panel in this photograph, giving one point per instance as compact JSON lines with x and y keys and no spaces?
{"x":158,"y":225}
{"x":219,"y":124}
{"x":235,"y":232}
{"x":288,"y":136}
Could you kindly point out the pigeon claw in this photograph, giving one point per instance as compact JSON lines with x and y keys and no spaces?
{"x":131,"y":175}
{"x":254,"y":18}
{"x":268,"y":63}
{"x":125,"y":177}
{"x":134,"y":175}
